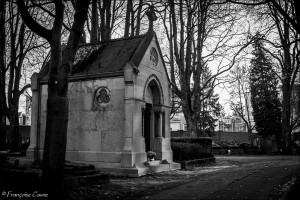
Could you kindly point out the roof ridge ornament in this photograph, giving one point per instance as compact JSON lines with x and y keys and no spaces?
{"x":151,"y":17}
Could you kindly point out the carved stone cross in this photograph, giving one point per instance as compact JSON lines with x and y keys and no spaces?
{"x":151,"y":17}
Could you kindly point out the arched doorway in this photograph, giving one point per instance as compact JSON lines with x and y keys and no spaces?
{"x":152,"y":118}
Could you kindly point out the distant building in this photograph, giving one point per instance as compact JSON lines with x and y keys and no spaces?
{"x":225,"y":124}
{"x":178,"y":122}
{"x":230,"y":124}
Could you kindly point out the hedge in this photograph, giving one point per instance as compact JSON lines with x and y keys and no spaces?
{"x":198,"y":140}
{"x":191,"y":148}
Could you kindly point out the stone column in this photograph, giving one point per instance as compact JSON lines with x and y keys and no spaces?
{"x":143,"y":107}
{"x":159,"y":125}
{"x":127,"y":156}
{"x":32,"y":151}
{"x":159,"y":140}
{"x":152,"y":128}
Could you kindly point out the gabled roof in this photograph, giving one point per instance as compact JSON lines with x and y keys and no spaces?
{"x":106,"y":58}
{"x":110,"y":56}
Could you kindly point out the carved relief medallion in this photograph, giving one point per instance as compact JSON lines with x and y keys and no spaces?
{"x":101,"y":97}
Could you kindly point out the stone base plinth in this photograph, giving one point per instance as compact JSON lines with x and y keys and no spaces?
{"x":141,"y":169}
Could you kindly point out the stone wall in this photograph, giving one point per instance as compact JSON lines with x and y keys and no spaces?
{"x":180,"y":133}
{"x":95,"y":134}
{"x":238,"y":137}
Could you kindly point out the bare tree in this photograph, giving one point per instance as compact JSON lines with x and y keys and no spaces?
{"x":285,"y":50}
{"x":108,"y":19}
{"x":21,"y":41}
{"x":133,"y":17}
{"x":3,"y":104}
{"x":18,"y":44}
{"x":61,"y":63}
{"x":105,"y":20}
{"x":138,"y":17}
{"x":292,"y":18}
{"x":198,"y":32}
{"x":239,"y":95}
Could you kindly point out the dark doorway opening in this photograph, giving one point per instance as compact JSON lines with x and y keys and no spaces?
{"x":147,"y":117}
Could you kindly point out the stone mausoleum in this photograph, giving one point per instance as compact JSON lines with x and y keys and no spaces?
{"x":119,"y":98}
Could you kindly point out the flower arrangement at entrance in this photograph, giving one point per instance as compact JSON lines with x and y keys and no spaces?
{"x":151,"y":155}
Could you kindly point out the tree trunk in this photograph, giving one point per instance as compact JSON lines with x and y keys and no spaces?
{"x":15,"y":78}
{"x":127,"y":19}
{"x":2,"y":77}
{"x":14,"y":129}
{"x":94,"y":22}
{"x":190,"y":123}
{"x":55,"y":143}
{"x":56,"y":128}
{"x":286,"y":88}
{"x":102,"y":19}
{"x":2,"y":126}
{"x":105,"y":17}
{"x":107,"y":30}
{"x":286,"y":113}
{"x":297,"y":13}
{"x":57,"y":103}
{"x":132,"y":23}
{"x":191,"y":127}
{"x":138,"y":18}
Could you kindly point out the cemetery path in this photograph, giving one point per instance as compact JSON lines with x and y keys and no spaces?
{"x":257,"y":178}
{"x":230,"y":177}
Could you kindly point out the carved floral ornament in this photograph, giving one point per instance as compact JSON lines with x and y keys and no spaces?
{"x":101,"y":97}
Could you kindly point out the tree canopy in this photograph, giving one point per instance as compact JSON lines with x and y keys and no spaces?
{"x":264,"y":94}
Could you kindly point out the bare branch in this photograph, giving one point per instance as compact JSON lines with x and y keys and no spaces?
{"x":31,"y":23}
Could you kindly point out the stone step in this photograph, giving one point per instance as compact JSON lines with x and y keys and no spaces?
{"x":78,"y":166}
{"x":155,"y":166}
{"x":154,"y":162}
{"x":82,"y":172}
{"x":175,"y":165}
{"x":160,"y":167}
{"x":80,"y":176}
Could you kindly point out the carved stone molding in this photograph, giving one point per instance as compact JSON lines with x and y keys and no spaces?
{"x":155,"y":78}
